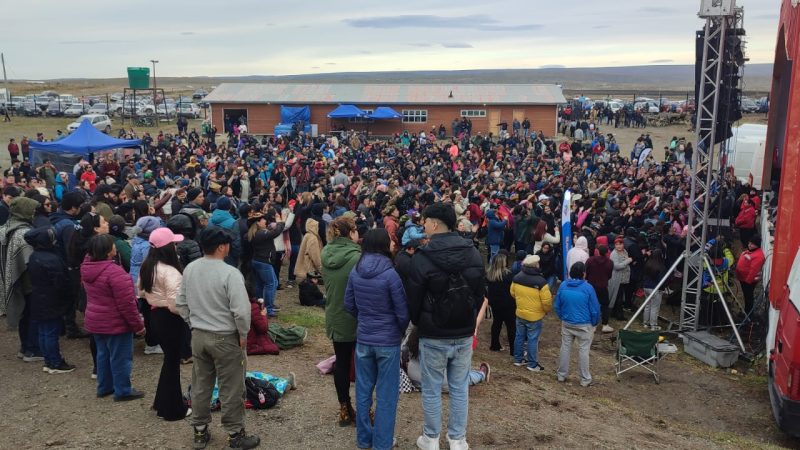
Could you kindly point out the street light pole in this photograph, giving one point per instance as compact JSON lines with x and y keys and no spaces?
{"x":155,"y":84}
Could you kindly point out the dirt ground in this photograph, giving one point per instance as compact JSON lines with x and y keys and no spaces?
{"x":693,"y":407}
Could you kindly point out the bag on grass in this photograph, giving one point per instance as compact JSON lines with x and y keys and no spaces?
{"x":260,"y":394}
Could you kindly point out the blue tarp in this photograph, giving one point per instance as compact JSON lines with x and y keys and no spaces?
{"x":346,"y":112}
{"x":86,"y":139}
{"x":385,"y":112}
{"x":291,"y":114}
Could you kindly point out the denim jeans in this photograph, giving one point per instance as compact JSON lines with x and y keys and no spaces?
{"x":452,"y":356}
{"x":114,"y":363}
{"x":530,"y":331}
{"x":266,"y":284}
{"x":378,"y":370}
{"x":493,"y":249}
{"x":476,"y":377}
{"x":49,"y":332}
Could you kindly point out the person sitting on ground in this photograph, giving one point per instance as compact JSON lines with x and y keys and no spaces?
{"x":411,"y":365}
{"x":258,"y":340}
{"x":310,"y":295}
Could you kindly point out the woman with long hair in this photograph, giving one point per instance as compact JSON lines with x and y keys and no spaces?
{"x":112,"y":317}
{"x":339,"y":257}
{"x":654,"y":270}
{"x":261,"y":234}
{"x":542,"y":236}
{"x":159,"y":282}
{"x":376,"y":298}
{"x":499,"y":277}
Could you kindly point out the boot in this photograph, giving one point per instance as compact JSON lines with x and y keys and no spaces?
{"x":241,"y":440}
{"x":346,"y":414}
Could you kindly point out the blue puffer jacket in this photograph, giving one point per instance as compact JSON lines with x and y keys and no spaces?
{"x":413,"y":232}
{"x":376,"y":298}
{"x":576,"y":303}
{"x":495,"y":228}
{"x":140,"y":246}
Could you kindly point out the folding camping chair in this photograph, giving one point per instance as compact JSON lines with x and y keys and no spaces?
{"x":637,"y":349}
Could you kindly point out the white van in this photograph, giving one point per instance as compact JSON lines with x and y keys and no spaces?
{"x":746,"y":149}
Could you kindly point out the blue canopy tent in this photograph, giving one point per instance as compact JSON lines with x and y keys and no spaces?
{"x":385,"y":112}
{"x":346,"y":112}
{"x":65,"y":153}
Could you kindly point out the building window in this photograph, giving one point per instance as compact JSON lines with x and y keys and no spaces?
{"x":473,"y":113}
{"x":362,"y":119}
{"x":415,"y":115}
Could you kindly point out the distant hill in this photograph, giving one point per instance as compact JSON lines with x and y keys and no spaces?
{"x":651,"y":78}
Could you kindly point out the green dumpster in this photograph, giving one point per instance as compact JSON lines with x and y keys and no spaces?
{"x":139,"y":77}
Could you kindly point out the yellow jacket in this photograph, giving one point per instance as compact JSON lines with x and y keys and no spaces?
{"x":532,"y":294}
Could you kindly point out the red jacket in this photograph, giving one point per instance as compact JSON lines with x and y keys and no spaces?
{"x":746,"y":218}
{"x":110,"y":300}
{"x":258,"y":340}
{"x":749,"y":266}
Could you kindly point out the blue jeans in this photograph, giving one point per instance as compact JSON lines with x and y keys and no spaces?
{"x":28,"y":332}
{"x":493,"y":249}
{"x":49,"y":331}
{"x":377,"y":369}
{"x":551,"y":283}
{"x":530,"y":331}
{"x":114,"y":363}
{"x":266,"y":284}
{"x":437,"y":356}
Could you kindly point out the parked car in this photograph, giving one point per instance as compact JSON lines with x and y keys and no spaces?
{"x":56,"y":108}
{"x":647,"y":106}
{"x":116,"y":96}
{"x":168,"y":110}
{"x":100,"y":121}
{"x":29,"y":108}
{"x":199,"y":94}
{"x":615,"y":106}
{"x":183,"y":100}
{"x":763,"y":105}
{"x":75,"y":110}
{"x":189,"y":110}
{"x":98,"y":108}
{"x":203,"y":104}
{"x":749,"y":105}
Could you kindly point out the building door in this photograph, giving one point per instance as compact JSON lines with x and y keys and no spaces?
{"x":233,"y":116}
{"x":494,"y":121}
{"x":518,"y":114}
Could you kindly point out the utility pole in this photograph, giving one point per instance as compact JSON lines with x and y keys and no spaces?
{"x":155,"y":84}
{"x":6,"y":97}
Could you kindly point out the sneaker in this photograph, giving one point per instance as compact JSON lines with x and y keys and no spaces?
{"x":538,"y":368}
{"x":134,"y":395}
{"x":487,"y":371}
{"x":458,"y":444}
{"x":201,"y":437}
{"x":242,"y":440}
{"x":561,"y":379}
{"x":292,"y":381}
{"x":32,"y":357}
{"x":589,"y":384}
{"x":188,"y":412}
{"x":520,"y":363}
{"x":428,"y":443}
{"x":655,"y":328}
{"x":153,"y":350}
{"x":64,"y":367}
{"x":20,"y":354}
{"x":607,"y":329}
{"x":94,"y":373}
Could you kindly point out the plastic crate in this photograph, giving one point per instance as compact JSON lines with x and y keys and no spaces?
{"x":139,"y":77}
{"x":710,"y":349}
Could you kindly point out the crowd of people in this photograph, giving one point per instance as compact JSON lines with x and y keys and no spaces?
{"x":178,"y":242}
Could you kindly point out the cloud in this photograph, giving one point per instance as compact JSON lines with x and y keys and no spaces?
{"x":601,"y":27}
{"x":660,"y":61}
{"x":315,"y":67}
{"x":188,"y":33}
{"x":97,"y":41}
{"x":420,"y":44}
{"x":330,"y":63}
{"x":456,"y":45}
{"x":479,"y":22}
{"x":364,"y":52}
{"x":552,"y":66}
{"x":657,"y":10}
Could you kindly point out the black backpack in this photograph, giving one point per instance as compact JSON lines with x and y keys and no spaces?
{"x":260,"y":393}
{"x":455,"y":308}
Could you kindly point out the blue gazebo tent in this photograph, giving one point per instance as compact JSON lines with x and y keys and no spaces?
{"x":385,"y":112}
{"x":346,"y":112}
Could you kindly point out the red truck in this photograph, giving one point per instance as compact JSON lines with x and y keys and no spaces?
{"x":782,"y":270}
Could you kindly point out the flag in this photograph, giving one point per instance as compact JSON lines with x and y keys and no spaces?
{"x":566,"y":229}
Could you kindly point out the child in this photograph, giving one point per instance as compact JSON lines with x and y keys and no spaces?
{"x":48,"y":301}
{"x":310,"y":295}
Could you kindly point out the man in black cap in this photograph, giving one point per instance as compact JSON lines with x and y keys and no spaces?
{"x":194,"y":200}
{"x":446,"y":287}
{"x":213,"y":301}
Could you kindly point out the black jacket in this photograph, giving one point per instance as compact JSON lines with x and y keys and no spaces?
{"x":188,"y":251}
{"x":499,"y":294}
{"x":48,"y":274}
{"x":402,"y":264}
{"x":263,"y":244}
{"x":310,"y":295}
{"x":445,"y":251}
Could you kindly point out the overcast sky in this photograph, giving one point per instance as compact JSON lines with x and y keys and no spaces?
{"x":45,"y":39}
